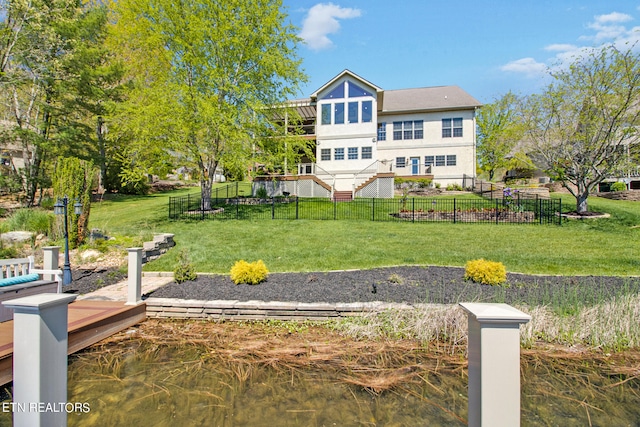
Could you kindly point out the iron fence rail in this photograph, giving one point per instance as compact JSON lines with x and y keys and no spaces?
{"x":531,"y":211}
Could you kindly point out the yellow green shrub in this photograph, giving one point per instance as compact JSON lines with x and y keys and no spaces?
{"x":485,"y":272}
{"x":250,"y":273}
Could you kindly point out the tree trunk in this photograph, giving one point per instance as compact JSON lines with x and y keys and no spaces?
{"x":102,"y":157}
{"x":206,"y":184}
{"x":581,"y":202}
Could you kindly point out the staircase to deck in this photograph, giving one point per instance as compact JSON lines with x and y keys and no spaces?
{"x":342,"y":196}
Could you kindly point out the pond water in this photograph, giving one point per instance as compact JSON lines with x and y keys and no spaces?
{"x":139,"y":382}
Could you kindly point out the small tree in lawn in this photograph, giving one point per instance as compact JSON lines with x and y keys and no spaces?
{"x":499,"y":130}
{"x":582,"y":128}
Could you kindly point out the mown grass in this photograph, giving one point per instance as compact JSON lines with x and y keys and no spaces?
{"x":589,"y":247}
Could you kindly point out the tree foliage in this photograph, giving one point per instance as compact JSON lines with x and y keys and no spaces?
{"x":51,"y":75}
{"x":205,"y":74}
{"x":584,"y":125}
{"x":499,"y":130}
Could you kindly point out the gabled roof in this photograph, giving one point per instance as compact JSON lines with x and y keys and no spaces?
{"x":349,"y":73}
{"x":427,"y":98}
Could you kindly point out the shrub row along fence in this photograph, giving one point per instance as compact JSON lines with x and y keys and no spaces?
{"x":532,"y":211}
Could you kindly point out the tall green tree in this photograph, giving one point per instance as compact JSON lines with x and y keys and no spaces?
{"x":582,"y":127}
{"x":93,"y":87}
{"x":46,"y":51}
{"x":206,"y":74}
{"x":499,"y":131}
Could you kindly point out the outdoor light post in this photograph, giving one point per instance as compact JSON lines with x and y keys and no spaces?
{"x":61,"y":208}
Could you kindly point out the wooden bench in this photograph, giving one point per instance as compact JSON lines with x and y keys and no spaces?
{"x":19,"y":278}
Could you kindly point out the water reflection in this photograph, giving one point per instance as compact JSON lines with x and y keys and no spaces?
{"x":237,"y":376}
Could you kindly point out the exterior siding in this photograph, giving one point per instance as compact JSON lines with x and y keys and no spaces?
{"x":432,"y":144}
{"x":348,"y":154}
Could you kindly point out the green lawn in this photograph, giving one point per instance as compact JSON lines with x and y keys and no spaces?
{"x":590,"y":247}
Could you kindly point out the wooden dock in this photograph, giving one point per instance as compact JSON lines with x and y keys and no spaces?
{"x":89,"y":322}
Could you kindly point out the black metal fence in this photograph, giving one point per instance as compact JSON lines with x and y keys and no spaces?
{"x":531,"y":211}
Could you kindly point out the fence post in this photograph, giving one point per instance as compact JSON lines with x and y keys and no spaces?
{"x":134,"y":277}
{"x":540,"y":202}
{"x":454,"y":210}
{"x":413,"y":209}
{"x":560,"y":212}
{"x":496,"y":210}
{"x":373,"y":209}
{"x":273,"y":208}
{"x":40,"y":344}
{"x":297,"y":217}
{"x":494,"y":364}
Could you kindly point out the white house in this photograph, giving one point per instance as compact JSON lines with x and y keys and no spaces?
{"x":366,"y":135}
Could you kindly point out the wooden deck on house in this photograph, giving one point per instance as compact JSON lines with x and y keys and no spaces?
{"x":89,"y":322}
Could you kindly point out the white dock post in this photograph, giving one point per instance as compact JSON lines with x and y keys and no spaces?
{"x":494,"y":364}
{"x":51,"y":259}
{"x":134,"y":287}
{"x":40,"y":359}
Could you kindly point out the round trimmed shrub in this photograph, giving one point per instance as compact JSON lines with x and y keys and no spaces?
{"x":485,"y":272}
{"x":618,"y":186}
{"x":249,"y":273}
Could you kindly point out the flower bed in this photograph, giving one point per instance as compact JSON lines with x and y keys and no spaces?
{"x":480,"y":215}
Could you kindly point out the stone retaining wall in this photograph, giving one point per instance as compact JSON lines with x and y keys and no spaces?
{"x":633,"y":195}
{"x":160,"y":244}
{"x":260,"y":310}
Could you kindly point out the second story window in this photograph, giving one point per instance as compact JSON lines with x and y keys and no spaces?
{"x":352,"y":153}
{"x":338,"y":117}
{"x":353,"y":112}
{"x":325,"y":118}
{"x":367,"y":111}
{"x":408,"y":129}
{"x":382,"y":131}
{"x":338,"y":154}
{"x":452,"y":128}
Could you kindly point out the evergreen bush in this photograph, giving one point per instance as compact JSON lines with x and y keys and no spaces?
{"x":184,"y":270}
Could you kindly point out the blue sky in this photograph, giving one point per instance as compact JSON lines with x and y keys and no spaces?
{"x":487,"y":47}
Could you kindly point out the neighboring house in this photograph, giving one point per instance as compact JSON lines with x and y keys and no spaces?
{"x":365,"y":136}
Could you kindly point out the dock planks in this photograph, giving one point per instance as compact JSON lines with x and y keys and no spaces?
{"x":89,"y":321}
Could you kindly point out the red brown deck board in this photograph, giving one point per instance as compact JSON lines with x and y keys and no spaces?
{"x":89,"y":321}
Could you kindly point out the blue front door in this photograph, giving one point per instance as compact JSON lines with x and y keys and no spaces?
{"x":415,"y":165}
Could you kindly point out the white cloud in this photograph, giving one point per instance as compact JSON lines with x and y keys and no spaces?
{"x":607,"y":29}
{"x":528,"y":66}
{"x":321,"y":21}
{"x":613,"y":17}
{"x":559,"y":47}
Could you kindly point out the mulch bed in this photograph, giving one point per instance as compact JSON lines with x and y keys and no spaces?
{"x":407,"y":284}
